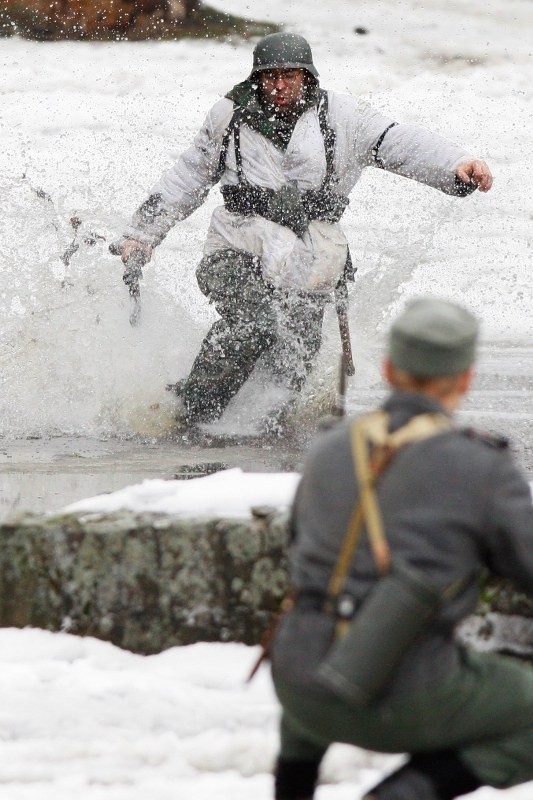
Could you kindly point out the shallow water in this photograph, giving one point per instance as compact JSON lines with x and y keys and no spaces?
{"x":47,"y":474}
{"x":44,"y":474}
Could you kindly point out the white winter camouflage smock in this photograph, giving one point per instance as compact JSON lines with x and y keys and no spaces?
{"x":314,"y":261}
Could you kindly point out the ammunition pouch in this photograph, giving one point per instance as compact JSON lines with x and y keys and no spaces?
{"x":245,"y":199}
{"x":324,"y":204}
{"x":396,"y":611}
{"x":288,"y":206}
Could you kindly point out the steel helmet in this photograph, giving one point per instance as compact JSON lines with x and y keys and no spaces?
{"x":283,"y":51}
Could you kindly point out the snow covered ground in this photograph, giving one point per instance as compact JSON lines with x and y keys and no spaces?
{"x":81,"y":718}
{"x":229,"y":493}
{"x":93,"y":126}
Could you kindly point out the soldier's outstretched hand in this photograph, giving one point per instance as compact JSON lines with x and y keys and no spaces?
{"x":476,"y":172}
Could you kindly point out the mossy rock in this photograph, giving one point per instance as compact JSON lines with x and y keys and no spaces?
{"x":502,"y":597}
{"x":142,"y":581}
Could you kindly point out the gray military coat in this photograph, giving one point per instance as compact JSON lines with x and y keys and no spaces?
{"x":453,"y":506}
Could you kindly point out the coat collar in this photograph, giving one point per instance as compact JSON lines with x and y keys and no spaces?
{"x":402,"y":406}
{"x":277,"y":128}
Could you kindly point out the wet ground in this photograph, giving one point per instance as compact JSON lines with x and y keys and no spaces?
{"x":48,"y":473}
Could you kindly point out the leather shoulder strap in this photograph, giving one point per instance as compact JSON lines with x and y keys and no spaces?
{"x":232,"y":129}
{"x":376,"y":429}
{"x":372,"y":432}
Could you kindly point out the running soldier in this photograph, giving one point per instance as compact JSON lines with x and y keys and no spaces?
{"x":287,"y":155}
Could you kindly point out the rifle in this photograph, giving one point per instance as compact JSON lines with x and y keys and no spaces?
{"x":73,"y":246}
{"x":132,"y":275}
{"x":339,"y":406}
{"x":341,"y":307}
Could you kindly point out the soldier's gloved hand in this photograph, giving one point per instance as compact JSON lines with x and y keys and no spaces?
{"x":134,"y":255}
{"x":132,"y":246}
{"x":285,"y":207}
{"x":126,"y":247}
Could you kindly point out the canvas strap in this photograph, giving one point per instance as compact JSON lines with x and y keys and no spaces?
{"x":373,"y":449}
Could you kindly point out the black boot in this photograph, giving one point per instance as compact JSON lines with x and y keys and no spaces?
{"x":295,"y":780}
{"x":427,"y":776}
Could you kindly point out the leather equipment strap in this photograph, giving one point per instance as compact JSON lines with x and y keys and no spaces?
{"x":373,"y":449}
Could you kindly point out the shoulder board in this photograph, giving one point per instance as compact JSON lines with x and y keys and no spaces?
{"x":490,"y":439}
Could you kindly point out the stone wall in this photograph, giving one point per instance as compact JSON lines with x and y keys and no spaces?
{"x":143,"y":582}
{"x":147,"y":582}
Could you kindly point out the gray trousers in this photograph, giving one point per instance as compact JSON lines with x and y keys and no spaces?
{"x":483,"y":713}
{"x":255,"y":320}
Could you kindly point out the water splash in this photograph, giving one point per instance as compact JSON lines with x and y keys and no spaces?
{"x":70,"y":361}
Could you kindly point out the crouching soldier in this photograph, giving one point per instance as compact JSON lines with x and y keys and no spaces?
{"x":396,"y":517}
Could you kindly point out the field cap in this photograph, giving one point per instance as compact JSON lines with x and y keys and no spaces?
{"x":433,"y":337}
